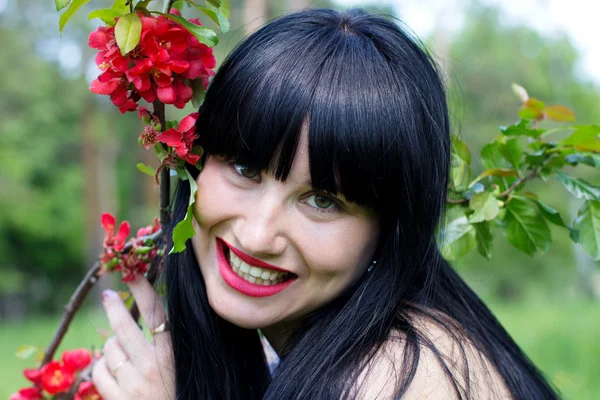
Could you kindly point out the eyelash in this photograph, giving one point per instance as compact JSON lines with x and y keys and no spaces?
{"x":336,"y":203}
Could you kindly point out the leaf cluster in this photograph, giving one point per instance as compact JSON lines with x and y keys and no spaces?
{"x":497,"y":196}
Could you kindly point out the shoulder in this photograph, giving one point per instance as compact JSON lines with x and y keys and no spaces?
{"x":441,"y":352}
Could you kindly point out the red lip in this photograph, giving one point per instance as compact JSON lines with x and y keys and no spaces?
{"x":251,"y":260}
{"x":241,"y":285}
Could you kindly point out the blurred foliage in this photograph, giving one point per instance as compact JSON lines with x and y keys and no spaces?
{"x":484,"y":57}
{"x":44,"y":210}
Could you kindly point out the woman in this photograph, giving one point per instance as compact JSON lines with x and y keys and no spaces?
{"x":326,"y":159}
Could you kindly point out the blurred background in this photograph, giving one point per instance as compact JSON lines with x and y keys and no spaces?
{"x":67,"y":155}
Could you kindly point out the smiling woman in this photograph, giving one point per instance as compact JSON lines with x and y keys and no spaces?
{"x":326,"y":156}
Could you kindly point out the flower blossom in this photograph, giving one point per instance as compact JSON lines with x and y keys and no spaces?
{"x":56,"y":378}
{"x":87,"y":391}
{"x":77,"y":359}
{"x":30,"y":393}
{"x":162,"y":66}
{"x":182,"y":138}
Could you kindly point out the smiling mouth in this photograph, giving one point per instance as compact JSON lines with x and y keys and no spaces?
{"x":254,"y":274}
{"x":249,"y":275}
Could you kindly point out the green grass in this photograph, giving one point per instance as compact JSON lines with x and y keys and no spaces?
{"x":39,"y":331}
{"x":561,"y":338}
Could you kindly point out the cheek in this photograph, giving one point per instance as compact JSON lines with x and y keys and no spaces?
{"x":344,"y":250}
{"x":212,"y":204}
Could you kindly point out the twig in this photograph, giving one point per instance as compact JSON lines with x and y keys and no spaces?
{"x":165,"y":183}
{"x":168,"y":5}
{"x":77,"y":300}
{"x":508,"y":191}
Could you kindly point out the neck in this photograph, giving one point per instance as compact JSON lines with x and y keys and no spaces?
{"x":278,"y":335}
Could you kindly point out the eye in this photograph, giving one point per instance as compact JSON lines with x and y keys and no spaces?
{"x":247,"y":172}
{"x":322,"y":202}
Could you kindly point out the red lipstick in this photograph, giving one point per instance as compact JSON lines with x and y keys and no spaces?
{"x":251,"y":260}
{"x":241,"y":285}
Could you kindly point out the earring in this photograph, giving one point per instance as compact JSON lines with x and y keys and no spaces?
{"x":371,"y":266}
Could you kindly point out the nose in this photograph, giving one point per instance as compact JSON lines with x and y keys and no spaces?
{"x":261,"y":230}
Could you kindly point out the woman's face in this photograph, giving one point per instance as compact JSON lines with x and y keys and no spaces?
{"x":324,"y":243}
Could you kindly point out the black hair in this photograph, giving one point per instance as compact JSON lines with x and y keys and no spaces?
{"x":379,"y":135}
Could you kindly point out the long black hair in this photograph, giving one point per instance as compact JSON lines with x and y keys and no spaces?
{"x":379,"y":135}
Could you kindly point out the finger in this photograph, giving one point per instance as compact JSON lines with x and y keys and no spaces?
{"x":105,"y":384}
{"x":130,"y":336}
{"x":117,"y":362}
{"x":149,"y":303}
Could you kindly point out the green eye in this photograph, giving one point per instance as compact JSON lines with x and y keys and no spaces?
{"x":320,"y":201}
{"x":247,"y":172}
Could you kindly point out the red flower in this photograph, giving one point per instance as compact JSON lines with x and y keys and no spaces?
{"x":177,"y":93}
{"x":34,"y":375}
{"x":182,"y":138}
{"x":149,"y":137}
{"x":112,"y":242}
{"x":77,"y":359}
{"x":148,"y":230}
{"x":87,"y":391}
{"x":32,"y":393}
{"x":56,"y":378}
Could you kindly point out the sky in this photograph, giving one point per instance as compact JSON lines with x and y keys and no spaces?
{"x":579,"y":19}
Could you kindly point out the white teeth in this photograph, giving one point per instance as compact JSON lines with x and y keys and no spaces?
{"x":257,"y":275}
{"x":244,"y":267}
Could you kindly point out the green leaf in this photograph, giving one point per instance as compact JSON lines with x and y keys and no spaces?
{"x":532,"y":109}
{"x":461,"y":149}
{"x":579,"y":187}
{"x":142,"y":4}
{"x":485,"y":207}
{"x":585,"y":138}
{"x":512,"y":151}
{"x":491,"y":156}
{"x":521,"y":128}
{"x":559,"y":113}
{"x":60,"y":4}
{"x":460,"y":173}
{"x":128,"y":32}
{"x":588,"y":225}
{"x":457,"y":236}
{"x":215,"y":14}
{"x":524,"y":227}
{"x":203,"y":34}
{"x":146,"y":169}
{"x":66,"y":16}
{"x":25,"y":351}
{"x":484,"y":238}
{"x":551,"y":214}
{"x":223,"y":5}
{"x":106,"y":15}
{"x":178,"y":4}
{"x":554,"y":216}
{"x":184,"y":230}
{"x":460,"y":160}
{"x":590,"y":159}
{"x":198,"y":92}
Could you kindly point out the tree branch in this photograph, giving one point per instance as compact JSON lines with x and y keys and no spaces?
{"x":508,"y":191}
{"x":77,"y":300}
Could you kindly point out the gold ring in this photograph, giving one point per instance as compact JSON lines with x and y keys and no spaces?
{"x":113,"y":371}
{"x":164,"y":327}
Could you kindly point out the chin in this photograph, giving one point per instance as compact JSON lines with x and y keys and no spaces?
{"x":244,"y":316}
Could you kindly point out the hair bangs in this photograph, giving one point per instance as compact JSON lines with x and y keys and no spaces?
{"x":335,"y":79}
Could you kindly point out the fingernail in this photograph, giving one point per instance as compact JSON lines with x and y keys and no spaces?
{"x":107,"y":294}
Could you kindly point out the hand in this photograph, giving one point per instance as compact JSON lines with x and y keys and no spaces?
{"x":132,"y":367}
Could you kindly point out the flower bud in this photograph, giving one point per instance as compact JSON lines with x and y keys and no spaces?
{"x":144,"y":115}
